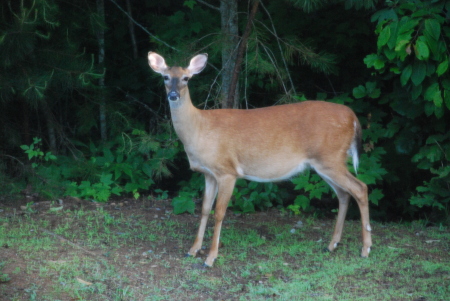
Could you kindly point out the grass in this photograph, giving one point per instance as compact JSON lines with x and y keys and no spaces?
{"x":136,"y":252}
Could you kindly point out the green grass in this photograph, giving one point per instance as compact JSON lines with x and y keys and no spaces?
{"x":106,"y":254}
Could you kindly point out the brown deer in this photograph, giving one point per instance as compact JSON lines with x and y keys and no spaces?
{"x":266,"y":144}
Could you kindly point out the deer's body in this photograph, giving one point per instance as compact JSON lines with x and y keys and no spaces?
{"x":266,"y":144}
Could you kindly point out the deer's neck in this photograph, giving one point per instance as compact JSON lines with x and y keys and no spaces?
{"x":185,"y":117}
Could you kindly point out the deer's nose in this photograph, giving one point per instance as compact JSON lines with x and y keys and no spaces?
{"x":173,"y":95}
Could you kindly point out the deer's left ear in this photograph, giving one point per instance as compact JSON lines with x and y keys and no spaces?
{"x":156,"y":62}
{"x":197,"y":63}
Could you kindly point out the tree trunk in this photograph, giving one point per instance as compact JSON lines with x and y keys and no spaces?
{"x":240,"y":54}
{"x":101,"y":62}
{"x":50,"y":120}
{"x":25,"y":121}
{"x":229,"y":25}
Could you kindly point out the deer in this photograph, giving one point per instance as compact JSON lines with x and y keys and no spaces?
{"x":264,"y":144}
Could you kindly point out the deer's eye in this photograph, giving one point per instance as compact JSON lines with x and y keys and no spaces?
{"x":166,"y":77}
{"x":185,"y":79}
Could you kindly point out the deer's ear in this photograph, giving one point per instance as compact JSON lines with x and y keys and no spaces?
{"x":156,"y":62}
{"x":198,"y":63}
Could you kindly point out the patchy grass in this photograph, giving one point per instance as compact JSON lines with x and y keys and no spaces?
{"x":135,"y":251}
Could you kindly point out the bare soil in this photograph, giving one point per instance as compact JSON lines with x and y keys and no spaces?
{"x":172,"y":250}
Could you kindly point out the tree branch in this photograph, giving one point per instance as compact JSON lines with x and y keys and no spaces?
{"x":130,"y":97}
{"x":279,"y":46}
{"x":142,"y":27}
{"x":209,"y":5}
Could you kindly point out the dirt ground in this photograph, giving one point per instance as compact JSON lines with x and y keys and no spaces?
{"x":21,"y":277}
{"x":20,"y":282}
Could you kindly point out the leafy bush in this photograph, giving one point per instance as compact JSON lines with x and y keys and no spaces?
{"x":412,"y":60}
{"x":251,"y":196}
{"x":128,"y":166}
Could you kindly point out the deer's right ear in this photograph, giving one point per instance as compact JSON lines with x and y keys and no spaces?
{"x":156,"y":62}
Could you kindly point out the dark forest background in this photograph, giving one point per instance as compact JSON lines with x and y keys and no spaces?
{"x":82,"y":114}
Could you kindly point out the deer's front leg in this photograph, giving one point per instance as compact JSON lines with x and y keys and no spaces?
{"x":208,"y":199}
{"x":226,"y":185}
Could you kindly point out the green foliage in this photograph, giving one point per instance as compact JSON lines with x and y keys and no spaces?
{"x":190,"y":190}
{"x":34,"y":151}
{"x":435,"y":192}
{"x":184,"y":202}
{"x":311,"y":186}
{"x":369,"y":90}
{"x":119,"y":168}
{"x":249,"y":196}
{"x":109,"y":169}
{"x":412,"y":53}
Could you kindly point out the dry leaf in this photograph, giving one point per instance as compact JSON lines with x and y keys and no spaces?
{"x":84,"y":282}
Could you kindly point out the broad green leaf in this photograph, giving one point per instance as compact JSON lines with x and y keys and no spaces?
{"x":401,"y":45}
{"x":432,"y":91}
{"x":447,"y":98}
{"x":375,"y":196}
{"x":432,"y":28}
{"x":442,"y":68}
{"x":429,"y":108}
{"x":421,"y":49}
{"x":446,"y":84}
{"x":389,"y":53}
{"x":418,"y":72}
{"x":117,"y":190}
{"x":384,"y":14}
{"x":406,"y":75}
{"x":183,"y":203}
{"x":190,"y":3}
{"x":368,"y":179}
{"x":439,"y":111}
{"x":407,"y":24}
{"x":434,"y":46}
{"x":416,"y":91}
{"x":373,"y":60}
{"x":375,"y":93}
{"x":147,"y":170}
{"x":359,"y":92}
{"x":106,"y":179}
{"x":384,"y":36}
{"x":372,"y":90}
{"x":420,"y":13}
{"x":109,"y":157}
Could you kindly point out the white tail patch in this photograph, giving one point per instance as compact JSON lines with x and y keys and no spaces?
{"x":353,"y":151}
